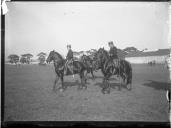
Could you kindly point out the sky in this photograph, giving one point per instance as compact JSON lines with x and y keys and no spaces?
{"x":34,"y":27}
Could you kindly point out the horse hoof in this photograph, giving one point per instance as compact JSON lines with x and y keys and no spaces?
{"x":105,"y":91}
{"x":129,"y":88}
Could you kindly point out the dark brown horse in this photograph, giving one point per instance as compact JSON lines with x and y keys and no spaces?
{"x":89,"y":63}
{"x":59,"y":62}
{"x":110,"y":67}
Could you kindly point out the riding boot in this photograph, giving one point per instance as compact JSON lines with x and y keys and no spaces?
{"x":65,"y":69}
{"x":72,"y":71}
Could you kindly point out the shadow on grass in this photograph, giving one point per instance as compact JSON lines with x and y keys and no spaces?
{"x":112,"y":85}
{"x":158,"y":85}
{"x":101,"y":77}
{"x":75,"y":83}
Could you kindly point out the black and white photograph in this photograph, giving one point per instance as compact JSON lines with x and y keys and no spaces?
{"x":87,"y":61}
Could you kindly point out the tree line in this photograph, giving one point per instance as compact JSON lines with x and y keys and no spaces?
{"x":26,"y":58}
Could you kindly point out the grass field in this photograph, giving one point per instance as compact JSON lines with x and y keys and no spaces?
{"x":29,"y":96}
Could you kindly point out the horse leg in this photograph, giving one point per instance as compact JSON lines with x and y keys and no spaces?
{"x":121,"y":75}
{"x":108,"y":84}
{"x":106,"y":87}
{"x":56,"y":80}
{"x":81,"y":78}
{"x":84,"y":79}
{"x":129,"y":79}
{"x":92,"y":73}
{"x":129,"y":82}
{"x":130,"y":88}
{"x":103,"y":83}
{"x":124,"y":79}
{"x":61,"y":89}
{"x":85,"y":76}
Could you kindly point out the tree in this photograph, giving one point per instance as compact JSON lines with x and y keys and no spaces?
{"x":42,"y":54}
{"x":23,"y":60}
{"x":13,"y":58}
{"x":144,"y":49}
{"x":28,"y":57}
{"x":42,"y":57}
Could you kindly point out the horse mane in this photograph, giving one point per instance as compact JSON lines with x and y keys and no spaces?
{"x":58,"y":55}
{"x":106,"y":52}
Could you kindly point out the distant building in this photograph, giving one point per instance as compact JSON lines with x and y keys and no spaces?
{"x":158,"y":56}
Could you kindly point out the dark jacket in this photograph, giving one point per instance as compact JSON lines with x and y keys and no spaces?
{"x":113,"y":52}
{"x":69,"y":55}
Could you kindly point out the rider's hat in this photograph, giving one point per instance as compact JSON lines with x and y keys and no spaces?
{"x":110,"y":42}
{"x":68,"y":46}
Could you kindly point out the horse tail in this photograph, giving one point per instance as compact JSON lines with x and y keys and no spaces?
{"x":129,"y":73}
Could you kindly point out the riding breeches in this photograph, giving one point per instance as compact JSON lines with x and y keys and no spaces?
{"x":70,"y":66}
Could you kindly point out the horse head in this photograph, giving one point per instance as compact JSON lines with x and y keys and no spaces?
{"x":98,"y":58}
{"x":54,"y":56}
{"x":50,"y":57}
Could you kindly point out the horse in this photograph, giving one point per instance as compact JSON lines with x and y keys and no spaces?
{"x":88,"y":62}
{"x":59,"y":64}
{"x":109,"y":67}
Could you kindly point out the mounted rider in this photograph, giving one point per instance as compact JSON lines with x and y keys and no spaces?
{"x":113,"y":53}
{"x":69,"y":58}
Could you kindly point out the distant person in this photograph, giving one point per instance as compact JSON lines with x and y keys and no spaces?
{"x":112,"y":51}
{"x":69,"y":58}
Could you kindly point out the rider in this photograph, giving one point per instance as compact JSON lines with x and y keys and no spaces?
{"x":69,"y":57}
{"x":113,"y":53}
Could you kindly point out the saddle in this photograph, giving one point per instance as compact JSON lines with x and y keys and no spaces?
{"x":116,"y":62}
{"x":68,"y":65}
